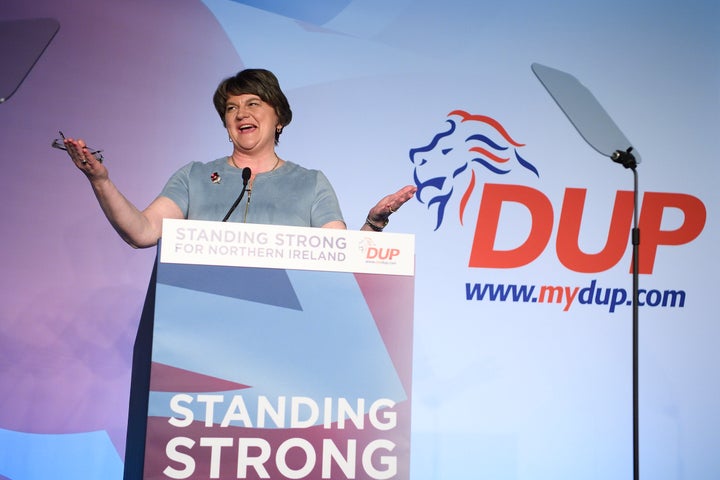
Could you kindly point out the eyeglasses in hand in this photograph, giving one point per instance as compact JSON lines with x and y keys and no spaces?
{"x":58,"y":143}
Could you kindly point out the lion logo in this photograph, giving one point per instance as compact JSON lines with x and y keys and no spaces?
{"x":471,"y":142}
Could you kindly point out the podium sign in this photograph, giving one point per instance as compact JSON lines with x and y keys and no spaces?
{"x":280,"y":352}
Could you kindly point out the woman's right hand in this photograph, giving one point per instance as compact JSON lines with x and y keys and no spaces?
{"x":84,"y":160}
{"x":138,"y":228}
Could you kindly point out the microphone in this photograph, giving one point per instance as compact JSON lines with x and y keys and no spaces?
{"x":245,"y":177}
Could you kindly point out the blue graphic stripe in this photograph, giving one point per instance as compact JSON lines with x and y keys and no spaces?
{"x":89,"y":455}
{"x":527,"y":164}
{"x":244,"y":283}
{"x":486,"y":140}
{"x":430,"y":147}
{"x":490,"y":166}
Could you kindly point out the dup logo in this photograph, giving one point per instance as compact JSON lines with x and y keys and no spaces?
{"x":444,"y":171}
{"x":453,"y":154}
{"x":373,"y":254}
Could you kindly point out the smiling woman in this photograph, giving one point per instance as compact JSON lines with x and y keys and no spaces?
{"x":254,"y":111}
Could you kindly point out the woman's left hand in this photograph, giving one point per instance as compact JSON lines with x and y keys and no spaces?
{"x":380,"y":213}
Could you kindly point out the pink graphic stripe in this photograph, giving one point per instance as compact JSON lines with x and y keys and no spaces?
{"x":165,"y":378}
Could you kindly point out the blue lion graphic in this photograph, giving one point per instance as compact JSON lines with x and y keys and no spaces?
{"x":458,"y":150}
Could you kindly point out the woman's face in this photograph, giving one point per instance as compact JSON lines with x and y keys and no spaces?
{"x":251,"y":123}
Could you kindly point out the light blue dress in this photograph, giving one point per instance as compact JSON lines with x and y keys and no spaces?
{"x":289,"y":195}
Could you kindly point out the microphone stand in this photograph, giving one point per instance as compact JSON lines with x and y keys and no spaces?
{"x":245,"y":177}
{"x":627,"y":160}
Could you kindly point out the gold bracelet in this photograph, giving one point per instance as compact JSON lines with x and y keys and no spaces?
{"x":374,"y":227}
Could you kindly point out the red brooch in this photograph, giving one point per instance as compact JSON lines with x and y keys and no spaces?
{"x":215,"y":177}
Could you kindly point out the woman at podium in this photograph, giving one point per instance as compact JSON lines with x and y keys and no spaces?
{"x":253,"y":184}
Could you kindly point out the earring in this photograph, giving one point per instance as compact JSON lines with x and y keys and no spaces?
{"x":279,"y":129}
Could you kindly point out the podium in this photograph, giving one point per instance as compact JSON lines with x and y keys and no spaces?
{"x":277,"y":352}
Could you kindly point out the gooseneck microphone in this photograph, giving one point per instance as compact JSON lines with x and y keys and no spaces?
{"x":245,"y":176}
